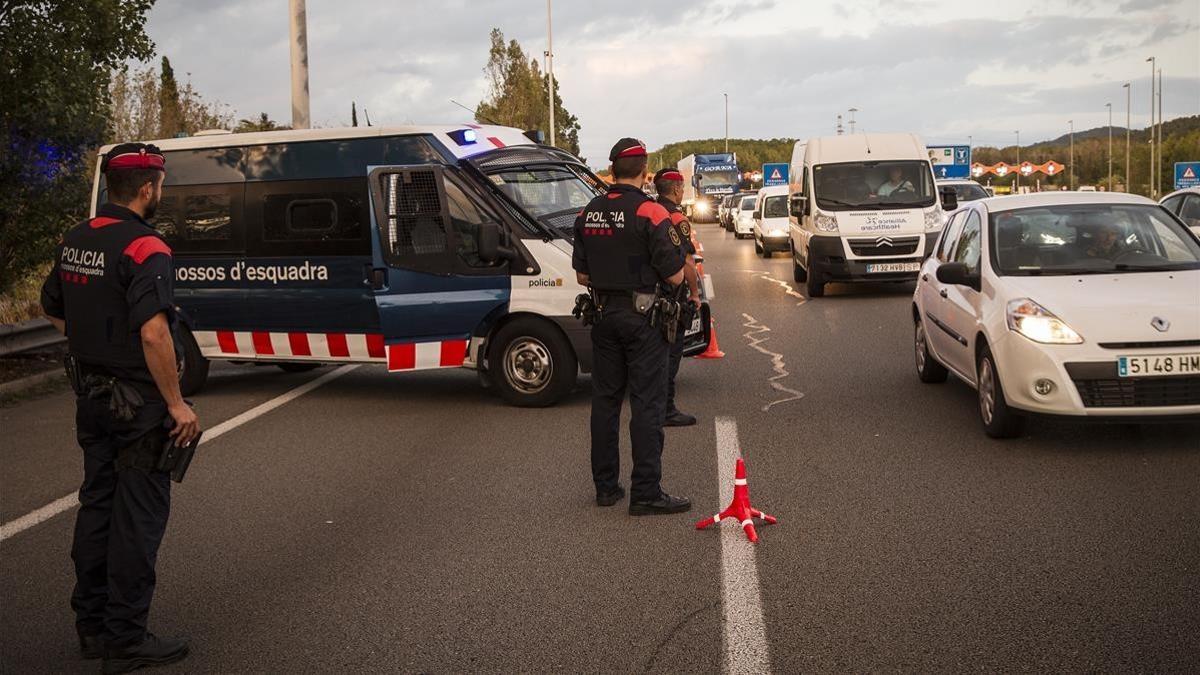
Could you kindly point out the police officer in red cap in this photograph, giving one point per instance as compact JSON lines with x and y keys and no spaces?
{"x":669,"y":185}
{"x":624,"y":254}
{"x":110,"y":292}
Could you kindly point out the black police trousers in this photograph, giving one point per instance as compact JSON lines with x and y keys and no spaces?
{"x":685,"y":322}
{"x":628,"y":355}
{"x":122,"y":516}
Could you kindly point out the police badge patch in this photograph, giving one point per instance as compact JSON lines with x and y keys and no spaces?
{"x":674,"y":235}
{"x":685,"y":227}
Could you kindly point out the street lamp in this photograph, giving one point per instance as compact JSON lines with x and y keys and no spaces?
{"x":1158,"y":167}
{"x":1151,"y":61}
{"x":1071,"y":171}
{"x":1110,"y":183}
{"x":550,"y":66}
{"x":1128,"y":130}
{"x":1018,"y":172}
{"x":726,"y":123}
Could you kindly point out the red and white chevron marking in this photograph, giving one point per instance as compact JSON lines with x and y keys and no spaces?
{"x":342,"y":347}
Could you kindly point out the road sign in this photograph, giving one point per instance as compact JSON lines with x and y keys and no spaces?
{"x":1187,"y":174}
{"x":775,"y":174}
{"x":950,"y":161}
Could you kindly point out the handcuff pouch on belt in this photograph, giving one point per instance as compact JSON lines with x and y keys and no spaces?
{"x":124,"y":400}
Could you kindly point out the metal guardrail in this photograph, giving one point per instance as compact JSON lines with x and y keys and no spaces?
{"x":32,"y":334}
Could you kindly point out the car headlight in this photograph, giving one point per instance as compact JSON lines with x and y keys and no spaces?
{"x":701,"y":207}
{"x":934,"y":220}
{"x":1040,"y":325}
{"x":825,"y":223}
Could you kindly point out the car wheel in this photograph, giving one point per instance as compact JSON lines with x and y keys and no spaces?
{"x":297,"y":367}
{"x":531,"y":363}
{"x":764,"y":251}
{"x":928,"y":369}
{"x":999,"y":420}
{"x":192,"y":367}
{"x":799,"y":274}
{"x":758,"y":249}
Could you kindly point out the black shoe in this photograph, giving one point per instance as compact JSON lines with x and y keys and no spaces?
{"x":675,"y":418}
{"x":91,"y":646}
{"x":611,"y":497}
{"x":664,"y":505}
{"x":153,"y":651}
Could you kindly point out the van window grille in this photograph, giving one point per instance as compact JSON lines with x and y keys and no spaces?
{"x":415,"y":222}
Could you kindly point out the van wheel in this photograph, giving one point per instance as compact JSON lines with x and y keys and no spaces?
{"x":928,"y":369}
{"x":999,"y":420}
{"x":758,"y":249}
{"x":295,"y":367}
{"x":799,"y":274}
{"x":531,"y":363}
{"x":813,"y":286}
{"x":191,"y":364}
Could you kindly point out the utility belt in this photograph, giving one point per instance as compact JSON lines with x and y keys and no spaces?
{"x":662,"y":310}
{"x":154,"y":450}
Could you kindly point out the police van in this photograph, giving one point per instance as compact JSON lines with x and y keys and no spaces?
{"x":862,"y":207}
{"x":413,"y":247}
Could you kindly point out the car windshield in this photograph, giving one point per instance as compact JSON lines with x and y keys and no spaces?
{"x":1090,"y":239}
{"x":968,"y":192}
{"x":873,"y":185}
{"x":748,"y":203}
{"x":715,"y":178}
{"x":775,"y":207}
{"x":552,"y":194}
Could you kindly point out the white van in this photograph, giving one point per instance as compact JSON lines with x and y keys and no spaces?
{"x":771,"y":220}
{"x":864,"y":207}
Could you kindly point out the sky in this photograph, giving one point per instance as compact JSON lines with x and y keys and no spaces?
{"x":657,"y":70}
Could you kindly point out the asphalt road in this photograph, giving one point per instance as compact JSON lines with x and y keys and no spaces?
{"x":416,"y":523}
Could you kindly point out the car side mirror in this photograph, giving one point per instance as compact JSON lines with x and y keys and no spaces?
{"x":957,"y":274}
{"x":758,"y":215}
{"x":796,"y":205}
{"x":490,"y":248}
{"x":949,"y":198}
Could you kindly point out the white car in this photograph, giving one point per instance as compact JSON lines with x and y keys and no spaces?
{"x":771,"y":220}
{"x":965,"y":189}
{"x":1064,"y":303}
{"x":743,"y":217}
{"x":1185,"y":204}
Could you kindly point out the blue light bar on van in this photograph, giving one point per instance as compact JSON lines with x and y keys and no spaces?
{"x":464,"y":136}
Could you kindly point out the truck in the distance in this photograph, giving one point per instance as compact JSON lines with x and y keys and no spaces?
{"x":707,"y":178}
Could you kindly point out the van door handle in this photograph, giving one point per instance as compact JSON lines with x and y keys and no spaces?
{"x":942,"y":292}
{"x":925,"y":277}
{"x":375,"y":277}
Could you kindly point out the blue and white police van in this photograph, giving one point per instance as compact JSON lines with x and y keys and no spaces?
{"x":414,"y":247}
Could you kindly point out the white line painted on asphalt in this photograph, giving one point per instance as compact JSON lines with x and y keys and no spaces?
{"x":777,"y":362}
{"x":787,"y":288}
{"x":745,"y":634}
{"x":68,"y":502}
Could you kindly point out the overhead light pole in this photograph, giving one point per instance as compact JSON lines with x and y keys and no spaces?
{"x":726,"y":122}
{"x":1158,"y":168}
{"x":298,"y":29}
{"x":1110,"y":183}
{"x":1151,"y":60}
{"x":1128,"y":132}
{"x":1071,"y":171}
{"x":550,"y":65}
{"x":1018,"y":171}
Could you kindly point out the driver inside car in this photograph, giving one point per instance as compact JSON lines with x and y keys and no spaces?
{"x":1105,"y":242}
{"x":895,"y":183}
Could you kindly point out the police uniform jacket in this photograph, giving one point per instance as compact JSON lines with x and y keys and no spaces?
{"x":111,"y":274}
{"x":624,"y":241}
{"x":682,"y":226}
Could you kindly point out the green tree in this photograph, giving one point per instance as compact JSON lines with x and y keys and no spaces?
{"x":518,"y":95}
{"x":262,"y":123}
{"x":55,"y":64}
{"x":170,"y":113}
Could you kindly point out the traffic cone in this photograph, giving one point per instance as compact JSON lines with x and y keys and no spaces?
{"x":739,"y":509}
{"x":714,"y":347}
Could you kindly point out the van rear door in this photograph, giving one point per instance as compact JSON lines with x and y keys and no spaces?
{"x":430,"y":283}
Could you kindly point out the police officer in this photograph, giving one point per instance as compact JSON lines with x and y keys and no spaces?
{"x":669,"y":185}
{"x":110,"y":292}
{"x":623,"y":253}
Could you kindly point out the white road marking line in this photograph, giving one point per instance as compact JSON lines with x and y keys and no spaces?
{"x":68,"y":502}
{"x":787,"y":288}
{"x":776,"y":361}
{"x":745,"y":634}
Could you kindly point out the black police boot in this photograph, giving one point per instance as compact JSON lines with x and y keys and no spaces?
{"x":675,"y":418}
{"x":665,"y":504}
{"x":153,"y":651}
{"x":611,"y":497}
{"x":91,"y":646}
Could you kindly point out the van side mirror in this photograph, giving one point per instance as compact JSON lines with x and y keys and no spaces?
{"x":796,"y":205}
{"x":758,"y":214}
{"x":490,"y":248}
{"x":957,"y":274}
{"x":949,"y":198}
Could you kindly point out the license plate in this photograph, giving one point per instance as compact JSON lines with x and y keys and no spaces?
{"x":695,"y":327}
{"x":877,"y":268}
{"x":1158,"y":366}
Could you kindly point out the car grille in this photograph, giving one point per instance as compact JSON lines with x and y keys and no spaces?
{"x":1138,"y":392}
{"x":884,"y":246}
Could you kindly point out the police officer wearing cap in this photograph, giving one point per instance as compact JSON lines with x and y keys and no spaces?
{"x":669,"y":185}
{"x":110,"y":291}
{"x":624,"y":254}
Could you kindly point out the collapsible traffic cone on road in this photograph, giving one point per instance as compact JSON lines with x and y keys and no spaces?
{"x":740,"y":509}
{"x":714,"y":347}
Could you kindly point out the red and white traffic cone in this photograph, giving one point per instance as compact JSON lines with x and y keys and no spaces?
{"x":739,"y":509}
{"x":714,"y":347}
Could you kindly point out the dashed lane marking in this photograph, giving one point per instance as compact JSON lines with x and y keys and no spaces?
{"x":68,"y":502}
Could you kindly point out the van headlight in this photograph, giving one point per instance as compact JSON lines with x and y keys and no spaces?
{"x":934,"y":219}
{"x":825,"y":223}
{"x":1040,"y":325}
{"x":701,"y":207}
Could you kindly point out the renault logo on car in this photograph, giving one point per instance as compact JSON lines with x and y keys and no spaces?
{"x":1160,"y":324}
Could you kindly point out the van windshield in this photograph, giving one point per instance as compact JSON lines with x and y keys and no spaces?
{"x":873,"y":185}
{"x":748,"y":203}
{"x":715,"y":178}
{"x":552,"y":194}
